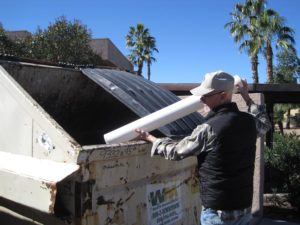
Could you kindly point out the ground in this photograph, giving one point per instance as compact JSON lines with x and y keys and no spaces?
{"x":277,"y":207}
{"x":282,"y":213}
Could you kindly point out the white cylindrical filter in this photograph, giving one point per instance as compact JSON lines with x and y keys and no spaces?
{"x":154,"y":120}
{"x":238,"y":82}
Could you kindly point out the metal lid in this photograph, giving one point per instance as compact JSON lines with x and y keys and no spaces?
{"x":143,"y":97}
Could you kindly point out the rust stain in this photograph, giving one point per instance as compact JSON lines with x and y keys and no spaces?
{"x":171,"y":192}
{"x":120,"y":203}
{"x":108,"y":221}
{"x":53,"y":191}
{"x":85,"y":191}
{"x":129,"y":197}
{"x":118,"y":218}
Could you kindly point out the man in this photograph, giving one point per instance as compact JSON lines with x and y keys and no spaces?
{"x":225,"y":148}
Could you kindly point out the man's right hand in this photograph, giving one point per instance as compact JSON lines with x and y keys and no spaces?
{"x":144,"y":135}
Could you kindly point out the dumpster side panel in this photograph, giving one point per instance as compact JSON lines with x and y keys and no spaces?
{"x":137,"y":189}
{"x":16,"y":125}
{"x":36,"y":133}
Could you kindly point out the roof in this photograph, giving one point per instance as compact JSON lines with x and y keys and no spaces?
{"x":274,"y":93}
{"x":109,"y":52}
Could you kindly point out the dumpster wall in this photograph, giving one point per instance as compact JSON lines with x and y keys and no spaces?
{"x":126,"y":186}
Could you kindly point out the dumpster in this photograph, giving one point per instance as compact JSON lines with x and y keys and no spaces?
{"x":55,"y":166}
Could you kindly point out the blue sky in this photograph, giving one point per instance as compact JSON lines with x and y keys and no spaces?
{"x":190,"y":34}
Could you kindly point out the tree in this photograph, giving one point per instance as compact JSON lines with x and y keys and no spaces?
{"x":272,"y":29}
{"x":256,"y":28}
{"x":279,"y":110}
{"x":64,"y":42}
{"x":287,"y":69}
{"x":7,"y":47}
{"x":283,"y":159}
{"x":38,"y":46}
{"x":150,"y":47}
{"x":244,"y":30}
{"x":141,"y":46}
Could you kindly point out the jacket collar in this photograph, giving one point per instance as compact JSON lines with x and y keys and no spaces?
{"x":228,"y":107}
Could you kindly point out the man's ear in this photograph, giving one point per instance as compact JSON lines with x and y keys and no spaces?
{"x":225,"y":96}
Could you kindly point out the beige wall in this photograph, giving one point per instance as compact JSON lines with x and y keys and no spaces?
{"x":108,"y":51}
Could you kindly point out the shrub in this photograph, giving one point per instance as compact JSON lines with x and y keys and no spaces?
{"x":284,"y":159}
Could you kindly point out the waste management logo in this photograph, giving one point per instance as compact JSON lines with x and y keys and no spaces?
{"x":164,"y":205}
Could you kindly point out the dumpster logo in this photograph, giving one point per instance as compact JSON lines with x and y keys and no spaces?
{"x":164,"y":206}
{"x":166,"y":194}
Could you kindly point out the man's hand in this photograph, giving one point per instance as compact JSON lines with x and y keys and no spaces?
{"x":244,"y":93}
{"x":144,"y":135}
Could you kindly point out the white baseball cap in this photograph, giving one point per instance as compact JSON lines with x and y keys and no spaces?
{"x":214,"y":82}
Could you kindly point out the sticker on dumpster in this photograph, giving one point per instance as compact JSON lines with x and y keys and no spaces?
{"x":164,"y":204}
{"x":45,"y":141}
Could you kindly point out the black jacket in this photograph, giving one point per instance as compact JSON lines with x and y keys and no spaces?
{"x":226,"y":172}
{"x":225,"y":148}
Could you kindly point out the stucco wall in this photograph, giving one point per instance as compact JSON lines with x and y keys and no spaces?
{"x":108,"y":51}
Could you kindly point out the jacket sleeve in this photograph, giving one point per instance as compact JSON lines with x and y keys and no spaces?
{"x":262,"y":121}
{"x":202,"y":139}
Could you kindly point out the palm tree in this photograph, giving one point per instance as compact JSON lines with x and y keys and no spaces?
{"x":272,"y":29}
{"x":256,"y":28}
{"x":244,"y":30}
{"x":150,"y":47}
{"x":141,"y":45}
{"x":135,"y":40}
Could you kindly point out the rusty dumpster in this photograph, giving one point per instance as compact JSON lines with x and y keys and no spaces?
{"x":55,"y":167}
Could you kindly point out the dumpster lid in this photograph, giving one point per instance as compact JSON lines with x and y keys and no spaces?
{"x":143,"y":97}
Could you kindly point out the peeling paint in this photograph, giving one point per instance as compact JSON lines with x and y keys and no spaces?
{"x":113,"y":165}
{"x":53,"y":190}
{"x":115,"y":211}
{"x":111,"y":152}
{"x":45,"y":141}
{"x":124,"y":179}
{"x":102,"y":201}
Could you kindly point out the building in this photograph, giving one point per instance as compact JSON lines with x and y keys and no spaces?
{"x":18,"y":35}
{"x":110,"y":53}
